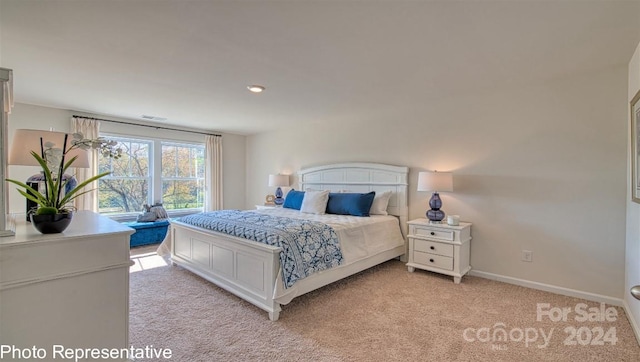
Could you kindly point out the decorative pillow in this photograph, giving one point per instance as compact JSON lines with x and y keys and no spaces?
{"x":315,"y":202}
{"x":380,"y":203}
{"x":293,"y":199}
{"x":350,"y":203}
{"x":147,"y":216}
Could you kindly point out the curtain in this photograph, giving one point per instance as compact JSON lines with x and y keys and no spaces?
{"x":90,"y":128}
{"x":213,"y":173}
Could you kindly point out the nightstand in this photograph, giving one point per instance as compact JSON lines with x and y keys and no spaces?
{"x":439,"y":248}
{"x":262,"y":207}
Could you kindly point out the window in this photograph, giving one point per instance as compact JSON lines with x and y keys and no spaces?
{"x":182,"y":176}
{"x":127,"y":188}
{"x":151,"y":171}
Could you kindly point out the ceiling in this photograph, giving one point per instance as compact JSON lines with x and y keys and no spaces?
{"x":321,"y":61}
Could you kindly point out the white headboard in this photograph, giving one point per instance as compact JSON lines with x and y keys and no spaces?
{"x":362,"y":177}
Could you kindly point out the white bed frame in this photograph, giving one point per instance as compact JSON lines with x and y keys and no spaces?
{"x":250,"y":269}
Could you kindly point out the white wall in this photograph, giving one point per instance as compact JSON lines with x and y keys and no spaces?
{"x":540,"y":168}
{"x":36,"y":117}
{"x":632,"y":262}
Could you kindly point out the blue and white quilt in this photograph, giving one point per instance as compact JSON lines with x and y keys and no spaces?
{"x":307,"y":246}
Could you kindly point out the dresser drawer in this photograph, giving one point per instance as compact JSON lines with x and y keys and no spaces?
{"x":433,"y":233}
{"x":438,"y":261}
{"x":433,"y":247}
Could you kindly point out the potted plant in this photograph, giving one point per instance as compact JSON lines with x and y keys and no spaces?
{"x":54,"y":211}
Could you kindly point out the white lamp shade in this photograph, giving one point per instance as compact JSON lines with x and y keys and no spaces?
{"x":435,"y":181}
{"x":27,"y":140}
{"x":278,"y":180}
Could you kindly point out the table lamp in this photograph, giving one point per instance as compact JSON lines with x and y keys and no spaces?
{"x":278,"y":181}
{"x":436,"y":182}
{"x":26,"y":140}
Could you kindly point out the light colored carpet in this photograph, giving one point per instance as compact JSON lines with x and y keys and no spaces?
{"x":382,"y":314}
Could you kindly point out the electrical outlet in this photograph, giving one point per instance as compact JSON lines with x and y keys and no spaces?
{"x":527,"y":256}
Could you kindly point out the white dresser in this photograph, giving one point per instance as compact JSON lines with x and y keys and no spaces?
{"x":69,"y":289}
{"x":439,"y":248}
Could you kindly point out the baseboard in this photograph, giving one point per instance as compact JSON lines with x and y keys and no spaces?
{"x":549,"y":288}
{"x":632,"y":321}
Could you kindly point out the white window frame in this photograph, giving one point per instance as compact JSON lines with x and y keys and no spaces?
{"x":158,"y":182}
{"x":155,"y":186}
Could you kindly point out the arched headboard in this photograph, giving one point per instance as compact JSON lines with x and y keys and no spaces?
{"x":362,"y":177}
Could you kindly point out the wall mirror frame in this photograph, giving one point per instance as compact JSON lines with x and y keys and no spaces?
{"x":7,"y":225}
{"x":635,"y":148}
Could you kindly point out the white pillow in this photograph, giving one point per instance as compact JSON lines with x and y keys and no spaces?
{"x":315,"y":202}
{"x":380,"y":203}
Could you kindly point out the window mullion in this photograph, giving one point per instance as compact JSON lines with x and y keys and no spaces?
{"x":156,"y":171}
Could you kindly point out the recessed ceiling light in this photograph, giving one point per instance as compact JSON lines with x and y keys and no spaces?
{"x":255,"y":88}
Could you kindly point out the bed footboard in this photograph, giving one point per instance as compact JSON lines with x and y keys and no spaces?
{"x":245,"y":268}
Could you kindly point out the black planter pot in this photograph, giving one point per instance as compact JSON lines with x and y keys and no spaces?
{"x":51,"y":224}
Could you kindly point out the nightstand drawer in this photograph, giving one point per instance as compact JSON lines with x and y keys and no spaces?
{"x":433,"y":233}
{"x":433,"y":247}
{"x":438,"y":261}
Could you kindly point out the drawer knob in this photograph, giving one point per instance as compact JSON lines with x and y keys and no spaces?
{"x":432,"y":233}
{"x":433,"y":248}
{"x":431,"y":260}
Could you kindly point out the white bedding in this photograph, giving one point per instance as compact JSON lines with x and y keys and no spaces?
{"x":360,"y":237}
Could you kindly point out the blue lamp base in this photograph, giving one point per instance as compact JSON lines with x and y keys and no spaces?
{"x":435,"y":215}
{"x":279,"y":199}
{"x":37,"y":183}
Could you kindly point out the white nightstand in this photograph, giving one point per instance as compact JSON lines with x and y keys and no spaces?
{"x":262,"y":207}
{"x":439,"y":248}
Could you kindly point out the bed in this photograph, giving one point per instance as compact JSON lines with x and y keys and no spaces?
{"x":253,"y":270}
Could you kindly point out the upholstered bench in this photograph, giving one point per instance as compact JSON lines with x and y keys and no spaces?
{"x":148,"y":232}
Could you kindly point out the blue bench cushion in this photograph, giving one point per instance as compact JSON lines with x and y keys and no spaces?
{"x":148,"y":232}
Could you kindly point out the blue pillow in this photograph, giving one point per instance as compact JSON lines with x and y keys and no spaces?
{"x":350,"y":203}
{"x":294,"y":199}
